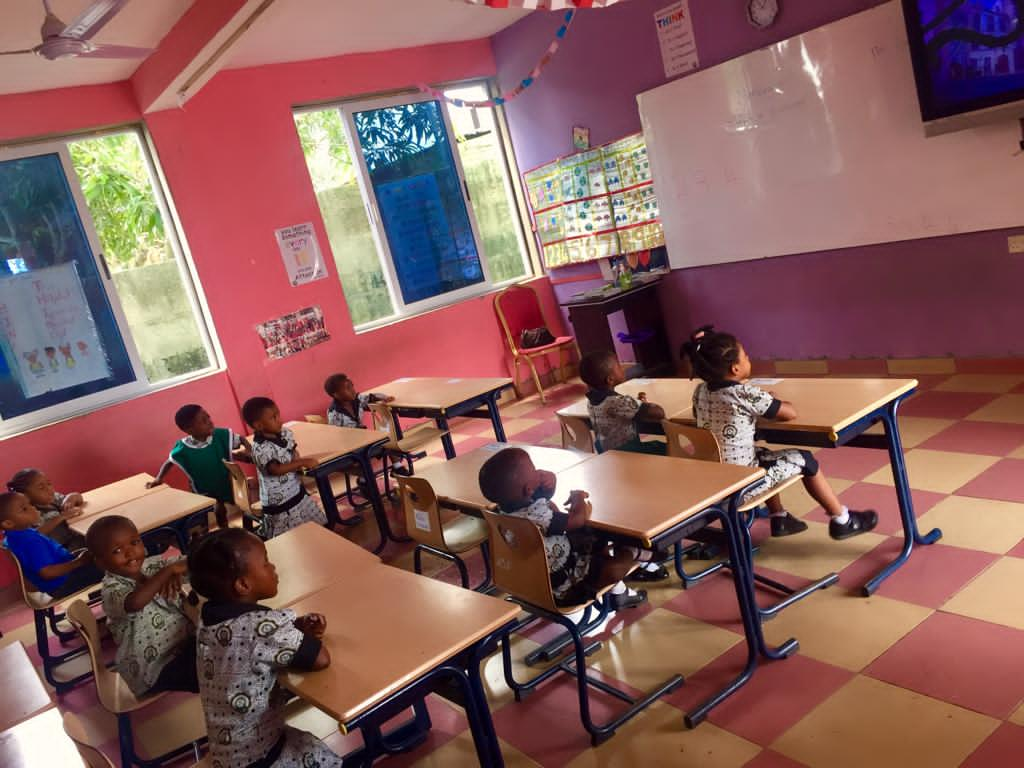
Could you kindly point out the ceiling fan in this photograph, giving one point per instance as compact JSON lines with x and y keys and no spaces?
{"x":70,"y":41}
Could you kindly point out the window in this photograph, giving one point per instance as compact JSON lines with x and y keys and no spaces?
{"x":96,"y":302}
{"x":417,"y":201}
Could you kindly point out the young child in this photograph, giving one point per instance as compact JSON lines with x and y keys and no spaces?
{"x":47,"y":565}
{"x":145,"y":610}
{"x":348,"y":406}
{"x":201,"y":455}
{"x":728,"y":407}
{"x":613,"y":416}
{"x":579,"y":562}
{"x":55,"y":509}
{"x":282,"y":494}
{"x":241,"y":647}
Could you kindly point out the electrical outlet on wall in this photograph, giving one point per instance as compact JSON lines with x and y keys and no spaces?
{"x":1015,"y":243}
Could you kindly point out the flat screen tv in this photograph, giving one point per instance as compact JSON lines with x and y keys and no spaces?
{"x":968,"y":60}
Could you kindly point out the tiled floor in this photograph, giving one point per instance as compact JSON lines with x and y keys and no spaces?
{"x":928,"y":672}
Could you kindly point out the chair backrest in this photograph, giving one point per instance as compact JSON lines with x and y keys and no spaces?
{"x":518,"y":308}
{"x":29,"y":594}
{"x":111,"y":689}
{"x":576,"y":433}
{"x":87,"y":744}
{"x":422,"y":512}
{"x":315,"y":418}
{"x":688,"y":442}
{"x":519,"y":564}
{"x":384,"y":421}
{"x":239,"y":487}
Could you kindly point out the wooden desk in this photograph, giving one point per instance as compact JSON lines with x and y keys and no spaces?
{"x":164,"y":507}
{"x":391,"y":635}
{"x":38,"y":742}
{"x":674,"y":395}
{"x":115,"y":494}
{"x":441,"y":399}
{"x":24,"y":695}
{"x":310,"y":558}
{"x":456,"y":482}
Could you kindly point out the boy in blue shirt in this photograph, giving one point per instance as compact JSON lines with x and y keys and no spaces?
{"x":46,"y":564}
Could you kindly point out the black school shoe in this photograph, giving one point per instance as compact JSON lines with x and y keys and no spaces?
{"x":859,"y":522}
{"x":626,"y":600}
{"x":786,"y":526}
{"x":642,"y":574}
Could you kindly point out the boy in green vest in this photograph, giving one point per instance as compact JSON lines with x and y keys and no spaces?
{"x":201,"y":455}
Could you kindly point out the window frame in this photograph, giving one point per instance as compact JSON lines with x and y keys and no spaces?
{"x":141,"y":386}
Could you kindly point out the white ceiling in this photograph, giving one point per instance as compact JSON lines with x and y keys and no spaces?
{"x":297,"y":30}
{"x":141,"y":23}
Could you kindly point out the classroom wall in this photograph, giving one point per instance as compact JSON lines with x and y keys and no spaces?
{"x":944,"y":296}
{"x":236,"y":173}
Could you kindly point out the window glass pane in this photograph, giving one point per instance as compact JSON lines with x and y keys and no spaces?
{"x":487,"y":176}
{"x":420,"y":198}
{"x":59,"y":336}
{"x":119,"y":191}
{"x":322,"y":135}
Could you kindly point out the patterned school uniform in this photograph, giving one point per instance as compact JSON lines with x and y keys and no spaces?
{"x":613,"y":418}
{"x":152,"y":639}
{"x":341,"y":417}
{"x":241,"y":647}
{"x":202,"y":461}
{"x":731,"y":410}
{"x":285,"y":501}
{"x":62,"y":534}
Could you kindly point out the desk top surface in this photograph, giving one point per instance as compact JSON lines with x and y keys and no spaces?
{"x":325,"y":442}
{"x":154,"y":510}
{"x":38,"y":741}
{"x":113,"y":494}
{"x":613,"y":294}
{"x":385,"y":629}
{"x":310,"y":558}
{"x":437,"y":392}
{"x":642,"y":496}
{"x":457,"y":480}
{"x":23,"y":692}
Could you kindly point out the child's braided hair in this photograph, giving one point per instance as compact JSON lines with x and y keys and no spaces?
{"x":711,"y":354}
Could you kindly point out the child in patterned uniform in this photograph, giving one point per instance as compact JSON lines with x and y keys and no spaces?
{"x":613,"y":416}
{"x":579,"y":562}
{"x":201,"y":455}
{"x":347,"y":406}
{"x":145,"y":610}
{"x":242,"y":646}
{"x":55,"y":509}
{"x":282,"y":494}
{"x":730,"y":408}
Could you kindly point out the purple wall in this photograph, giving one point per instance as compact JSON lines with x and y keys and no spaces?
{"x":953,"y":295}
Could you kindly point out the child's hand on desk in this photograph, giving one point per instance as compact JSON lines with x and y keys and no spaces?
{"x":308,"y":462}
{"x":154,"y":483}
{"x":314,"y":624}
{"x":387,"y":399}
{"x":577,"y":503}
{"x":642,"y":397}
{"x":70,"y":513}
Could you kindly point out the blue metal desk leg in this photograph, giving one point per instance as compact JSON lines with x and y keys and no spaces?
{"x":446,"y":438}
{"x":495,"y":412}
{"x":375,"y":501}
{"x":488,"y":739}
{"x":911,"y":534}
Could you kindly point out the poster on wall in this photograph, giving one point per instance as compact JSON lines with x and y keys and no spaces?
{"x":300,"y":252}
{"x":675,"y":36}
{"x":49,"y":337}
{"x":294,"y":332}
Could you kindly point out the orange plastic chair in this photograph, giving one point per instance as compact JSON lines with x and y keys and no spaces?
{"x":518,"y":309}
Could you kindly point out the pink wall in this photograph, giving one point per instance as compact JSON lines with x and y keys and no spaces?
{"x":236,"y":173}
{"x":955,"y":295}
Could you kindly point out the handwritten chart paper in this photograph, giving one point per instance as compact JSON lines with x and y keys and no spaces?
{"x":675,"y":36}
{"x":300,"y":252}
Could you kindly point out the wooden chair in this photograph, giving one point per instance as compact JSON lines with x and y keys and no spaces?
{"x":520,"y":568}
{"x":446,"y":540}
{"x":116,"y":697}
{"x":252,"y":511}
{"x":518,"y":309}
{"x":404,"y":445}
{"x":86,"y":742}
{"x":47,"y":618}
{"x":576,"y":434}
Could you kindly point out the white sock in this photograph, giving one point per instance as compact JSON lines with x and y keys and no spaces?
{"x":618,"y":589}
{"x":781,"y":513}
{"x":576,"y":616}
{"x":650,"y":567}
{"x":843,"y":517}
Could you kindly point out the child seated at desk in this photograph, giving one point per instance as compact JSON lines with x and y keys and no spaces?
{"x":730,"y":408}
{"x":579,"y":562}
{"x":282,"y":494}
{"x":47,"y":566}
{"x":347,"y":406}
{"x":145,"y":609}
{"x":241,"y":648}
{"x":55,"y":509}
{"x":613,"y":416}
{"x":201,"y":455}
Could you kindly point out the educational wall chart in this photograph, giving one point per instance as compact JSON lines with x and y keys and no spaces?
{"x":294,"y":332}
{"x":675,"y":37}
{"x":49,"y":337}
{"x":595,"y":204}
{"x":301,"y":253}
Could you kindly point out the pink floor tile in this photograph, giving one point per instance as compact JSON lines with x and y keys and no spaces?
{"x":964,"y":661}
{"x":1018,"y":390}
{"x":931,"y":576}
{"x":985,"y":437}
{"x":946,"y":405}
{"x":882,"y":499}
{"x":1017,"y":551}
{"x":779,"y":694}
{"x":769,"y":759}
{"x":851,"y":463}
{"x":1004,"y":480}
{"x":1002,"y":749}
{"x":446,"y":724}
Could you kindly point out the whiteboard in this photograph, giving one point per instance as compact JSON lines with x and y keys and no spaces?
{"x":816,"y":143}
